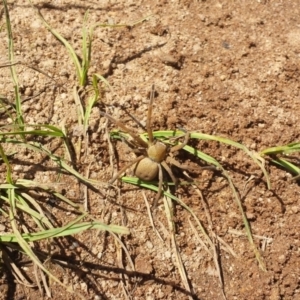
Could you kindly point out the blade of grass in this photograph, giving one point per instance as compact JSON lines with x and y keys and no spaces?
{"x":24,"y":245}
{"x":34,"y":132}
{"x":153,"y":187}
{"x":86,"y":51}
{"x":68,"y":46}
{"x":17,"y":273}
{"x":19,"y":118}
{"x":287,"y":165}
{"x":25,"y":208}
{"x":60,"y":162}
{"x":284,"y":163}
{"x":287,"y":149}
{"x":91,"y":102}
{"x":170,"y":217}
{"x":8,"y":166}
{"x":67,"y":230}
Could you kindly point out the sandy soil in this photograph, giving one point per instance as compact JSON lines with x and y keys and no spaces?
{"x":229,"y":68}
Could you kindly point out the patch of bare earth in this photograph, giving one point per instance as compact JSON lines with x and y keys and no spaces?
{"x":229,"y":68}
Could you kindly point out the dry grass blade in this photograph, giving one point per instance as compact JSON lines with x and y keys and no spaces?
{"x":246,"y":223}
{"x":17,"y":273}
{"x":265,"y":239}
{"x":153,"y":187}
{"x":150,"y":216}
{"x":125,"y":250}
{"x":38,"y":273}
{"x":169,"y":213}
{"x":60,"y":161}
{"x":199,"y":239}
{"x":215,"y":249}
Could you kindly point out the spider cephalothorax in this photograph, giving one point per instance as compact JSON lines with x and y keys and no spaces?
{"x":153,"y":154}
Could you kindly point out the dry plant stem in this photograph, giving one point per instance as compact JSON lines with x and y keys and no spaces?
{"x":198,"y":238}
{"x":150,"y":217}
{"x":37,"y":279}
{"x":169,"y":208}
{"x":14,"y":269}
{"x":215,"y":248}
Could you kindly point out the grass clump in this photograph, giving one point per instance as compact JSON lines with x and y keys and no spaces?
{"x":28,"y":227}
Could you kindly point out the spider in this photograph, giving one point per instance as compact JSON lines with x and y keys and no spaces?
{"x":153,"y":154}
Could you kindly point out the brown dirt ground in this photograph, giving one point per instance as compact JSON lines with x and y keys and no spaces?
{"x":229,"y":68}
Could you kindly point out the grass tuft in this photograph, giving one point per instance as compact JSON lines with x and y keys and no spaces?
{"x":28,"y":225}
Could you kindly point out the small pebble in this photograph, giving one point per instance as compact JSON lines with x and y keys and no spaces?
{"x":222,"y":77}
{"x":149,"y":245}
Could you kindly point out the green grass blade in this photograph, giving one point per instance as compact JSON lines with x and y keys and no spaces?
{"x":19,"y":118}
{"x":91,"y":102}
{"x":34,"y":214}
{"x":287,"y":165}
{"x":101,"y":78}
{"x":22,"y":242}
{"x":287,"y":149}
{"x":8,"y":166}
{"x":33,"y":132}
{"x":60,"y":162}
{"x":67,"y":230}
{"x":202,"y":136}
{"x":86,"y":51}
{"x":68,"y":46}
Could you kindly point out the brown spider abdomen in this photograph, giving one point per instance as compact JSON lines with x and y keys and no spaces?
{"x":146,"y":169}
{"x":157,"y":152}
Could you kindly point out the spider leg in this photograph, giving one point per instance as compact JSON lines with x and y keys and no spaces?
{"x":160,"y":184}
{"x":149,"y":115}
{"x":181,"y":145}
{"x":116,"y":176}
{"x":136,"y":137}
{"x":177,"y":164}
{"x":174,"y":162}
{"x":169,"y":171}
